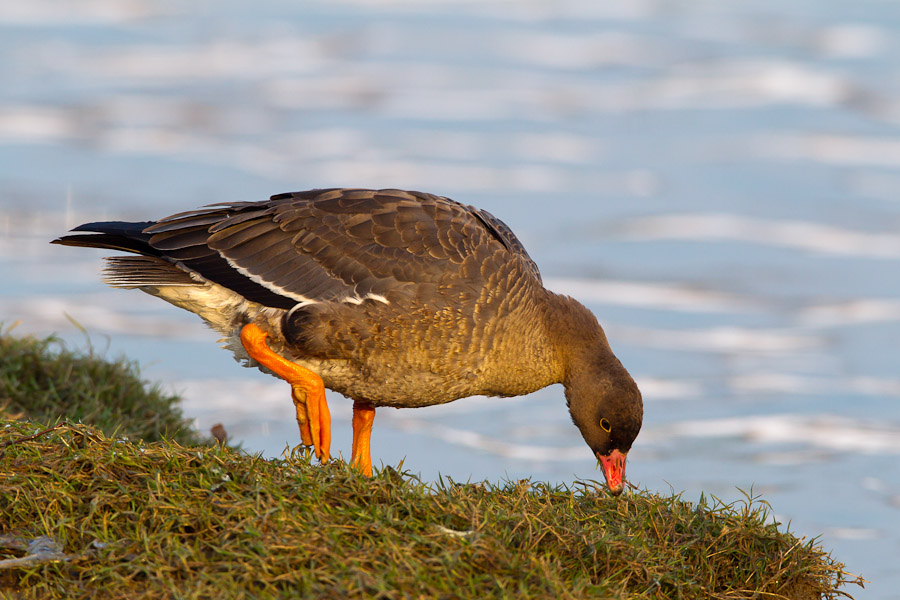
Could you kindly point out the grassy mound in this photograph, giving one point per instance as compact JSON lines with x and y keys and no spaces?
{"x":44,"y":381}
{"x":89,"y":516}
{"x":87,"y":513}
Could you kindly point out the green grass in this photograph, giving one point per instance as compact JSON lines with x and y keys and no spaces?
{"x":44,"y":380}
{"x":88,"y":514}
{"x":163,"y":520}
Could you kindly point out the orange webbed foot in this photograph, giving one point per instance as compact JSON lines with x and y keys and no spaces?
{"x":307,"y":390}
{"x":315,"y":426}
{"x":302,"y":418}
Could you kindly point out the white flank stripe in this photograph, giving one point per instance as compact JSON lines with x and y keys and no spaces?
{"x":268,"y":284}
{"x":357,"y":300}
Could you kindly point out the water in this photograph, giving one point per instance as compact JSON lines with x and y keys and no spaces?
{"x":718,"y":182}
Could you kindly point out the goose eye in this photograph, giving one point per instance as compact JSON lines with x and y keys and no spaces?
{"x":604,"y":424}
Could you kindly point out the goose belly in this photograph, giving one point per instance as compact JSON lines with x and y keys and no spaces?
{"x":223,"y":310}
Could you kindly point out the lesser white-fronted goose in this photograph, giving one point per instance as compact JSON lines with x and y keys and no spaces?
{"x":392,"y":298}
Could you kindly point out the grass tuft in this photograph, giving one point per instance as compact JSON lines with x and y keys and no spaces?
{"x":42,"y":379}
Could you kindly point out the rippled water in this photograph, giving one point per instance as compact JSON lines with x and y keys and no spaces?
{"x":717,"y":181}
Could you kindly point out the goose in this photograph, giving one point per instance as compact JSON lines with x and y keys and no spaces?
{"x":389,"y":297}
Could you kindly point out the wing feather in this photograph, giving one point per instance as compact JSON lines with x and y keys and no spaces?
{"x":339,"y":244}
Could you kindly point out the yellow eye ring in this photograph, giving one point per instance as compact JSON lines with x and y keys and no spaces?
{"x":605,"y":426}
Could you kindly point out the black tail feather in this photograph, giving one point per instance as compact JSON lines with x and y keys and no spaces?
{"x":126,"y":228}
{"x":112,"y":235}
{"x":196,"y":257}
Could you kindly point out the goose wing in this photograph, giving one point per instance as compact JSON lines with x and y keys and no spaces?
{"x":339,"y":244}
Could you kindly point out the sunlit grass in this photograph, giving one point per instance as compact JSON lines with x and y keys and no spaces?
{"x":43,"y":379}
{"x":89,"y":514}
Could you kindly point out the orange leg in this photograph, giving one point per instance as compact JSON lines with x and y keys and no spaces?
{"x":363,"y":415}
{"x":307,"y":390}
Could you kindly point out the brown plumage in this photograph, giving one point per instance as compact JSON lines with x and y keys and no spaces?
{"x":393,"y":298}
